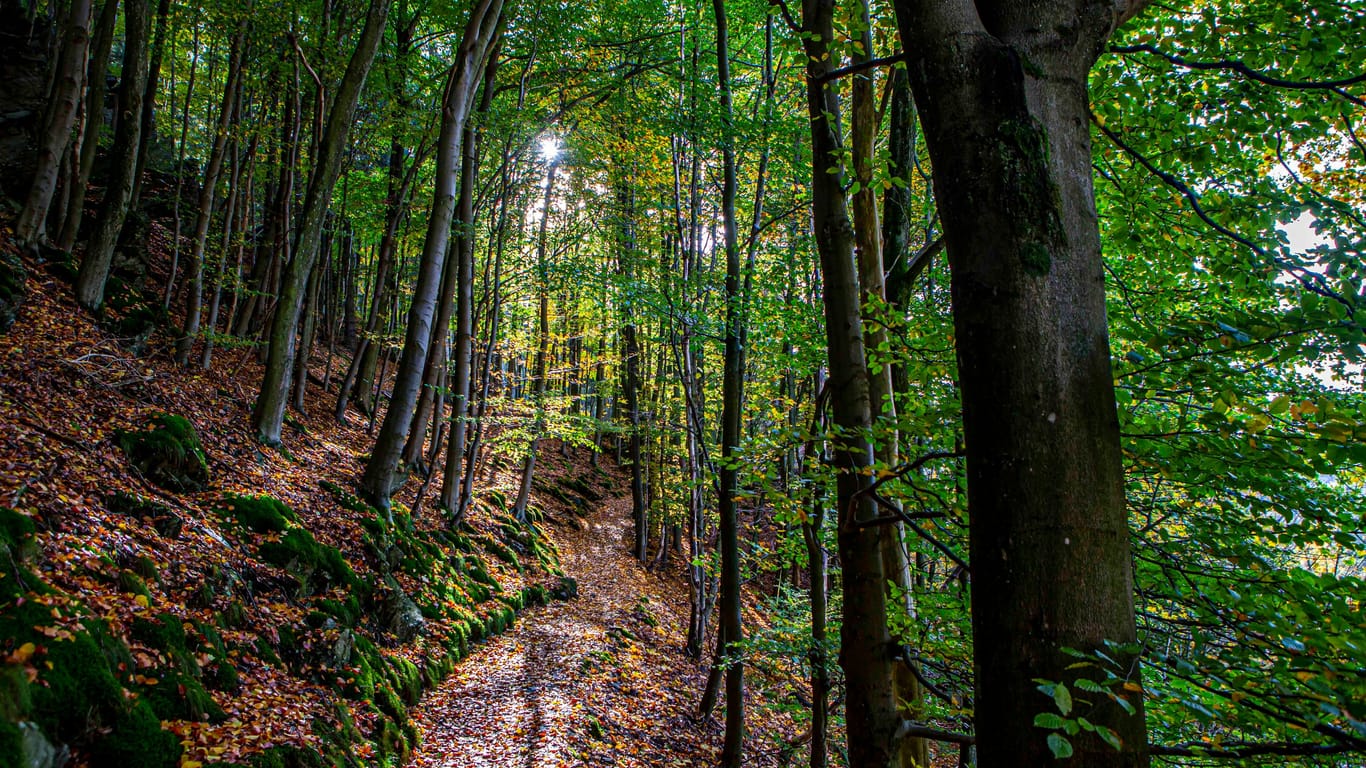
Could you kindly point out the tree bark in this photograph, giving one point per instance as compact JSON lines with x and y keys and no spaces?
{"x":99,"y":251}
{"x":382,"y":471}
{"x":61,"y":116}
{"x":1001,"y":92}
{"x":95,"y":88}
{"x":865,"y":645}
{"x":268,"y":416}
{"x":732,"y":751}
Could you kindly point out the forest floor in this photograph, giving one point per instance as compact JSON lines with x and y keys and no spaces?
{"x":596,"y":680}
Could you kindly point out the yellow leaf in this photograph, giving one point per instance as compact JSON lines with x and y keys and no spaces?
{"x":141,"y":600}
{"x":23,"y":653}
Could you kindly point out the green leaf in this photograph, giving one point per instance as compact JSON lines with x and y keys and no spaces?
{"x":1063,"y":698}
{"x":1061,"y":747}
{"x":1047,"y":720}
{"x":1110,"y":737}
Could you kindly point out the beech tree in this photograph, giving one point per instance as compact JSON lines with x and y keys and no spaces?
{"x":1001,"y":90}
{"x":481,"y":30}
{"x":268,"y":415}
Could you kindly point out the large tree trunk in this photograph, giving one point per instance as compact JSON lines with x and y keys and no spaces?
{"x":382,"y":471}
{"x":95,"y":88}
{"x":268,"y":417}
{"x":61,"y":116}
{"x":865,"y":644}
{"x":1002,"y":96}
{"x":99,"y":251}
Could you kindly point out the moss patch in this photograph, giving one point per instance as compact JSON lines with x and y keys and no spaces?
{"x":168,"y":454}
{"x":316,"y":566}
{"x":262,"y":514}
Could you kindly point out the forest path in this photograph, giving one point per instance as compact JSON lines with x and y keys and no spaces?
{"x":530,"y":698}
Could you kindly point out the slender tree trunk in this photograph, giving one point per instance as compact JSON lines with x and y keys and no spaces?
{"x":382,"y":471}
{"x":914,"y":753}
{"x":180,"y":168}
{"x":229,"y":212}
{"x":1002,"y":97}
{"x":542,"y":347}
{"x":865,"y":645}
{"x":631,"y":388}
{"x":208,"y":191}
{"x":99,"y":251}
{"x":308,"y":331}
{"x":463,"y":352}
{"x":60,"y":117}
{"x":360,"y":374}
{"x":732,"y":753}
{"x":150,"y":99}
{"x":268,"y":416}
{"x":816,"y":591}
{"x":495,"y":294}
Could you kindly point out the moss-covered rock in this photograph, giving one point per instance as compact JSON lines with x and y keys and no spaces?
{"x":133,"y":584}
{"x":262,"y":514}
{"x":16,"y":535}
{"x":137,"y":741}
{"x":168,"y":454}
{"x":178,"y":693}
{"x":316,"y":566}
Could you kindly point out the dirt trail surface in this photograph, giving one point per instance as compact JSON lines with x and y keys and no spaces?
{"x":596,"y":680}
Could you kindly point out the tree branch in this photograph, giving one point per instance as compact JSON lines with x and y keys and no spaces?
{"x":1245,"y":749}
{"x":1311,"y":281}
{"x":861,"y":66}
{"x":912,"y":730}
{"x":1248,"y":72}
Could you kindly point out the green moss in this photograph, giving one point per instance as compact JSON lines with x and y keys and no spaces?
{"x":141,"y":320}
{"x":568,"y":588}
{"x":137,"y":741}
{"x":287,"y":757}
{"x":262,"y":514}
{"x":161,"y":517}
{"x":1035,"y":258}
{"x":178,"y":693}
{"x":15,"y":698}
{"x":316,"y":566}
{"x":179,"y":696}
{"x":133,"y":584}
{"x":11,"y":745}
{"x":168,"y":454}
{"x":16,"y":535}
{"x":347,"y":499}
{"x":266,"y":652}
{"x":347,"y":613}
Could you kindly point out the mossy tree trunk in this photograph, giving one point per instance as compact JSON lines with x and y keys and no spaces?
{"x":61,"y":116}
{"x":1001,"y":92}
